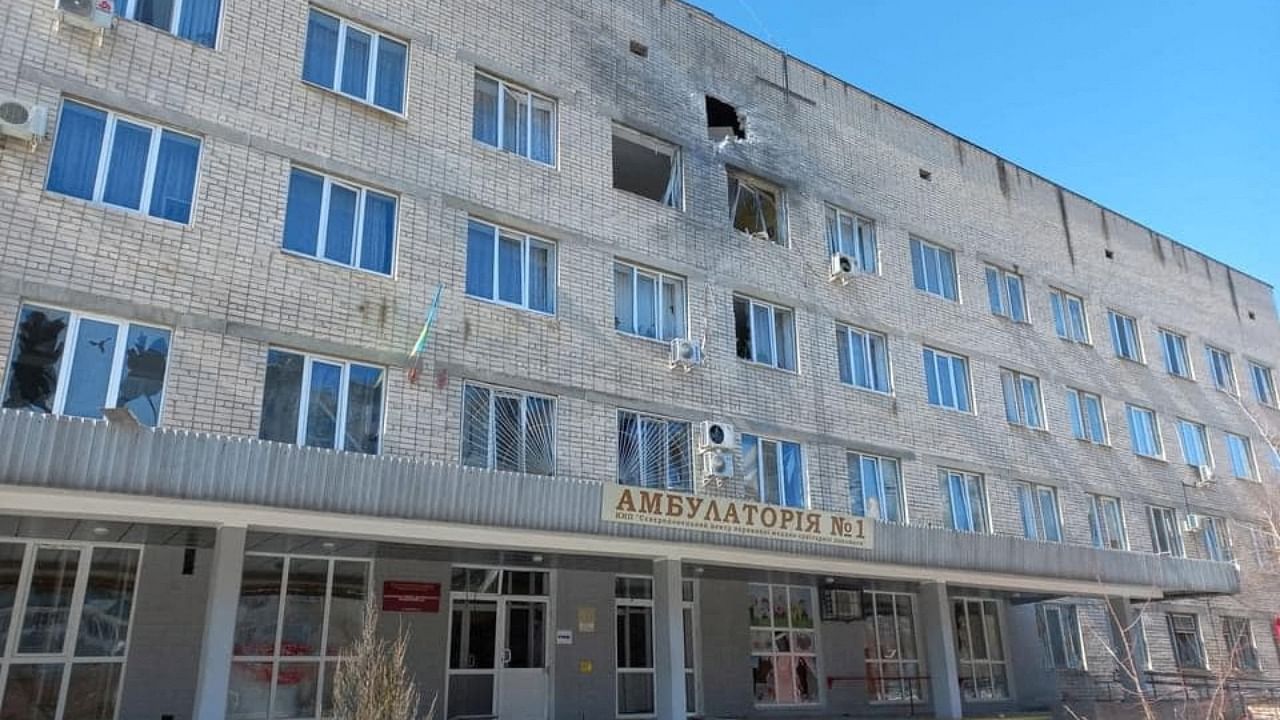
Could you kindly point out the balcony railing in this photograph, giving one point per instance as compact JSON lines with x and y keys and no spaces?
{"x":44,"y":451}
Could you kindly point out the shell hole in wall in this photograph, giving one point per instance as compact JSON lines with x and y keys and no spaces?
{"x":724,"y":121}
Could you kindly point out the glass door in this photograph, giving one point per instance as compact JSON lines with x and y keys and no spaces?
{"x":524,"y":686}
{"x":473,"y":658}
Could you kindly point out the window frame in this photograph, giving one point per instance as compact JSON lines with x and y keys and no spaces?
{"x":376,"y":38}
{"x":675,"y":180}
{"x":847,"y":333}
{"x":527,"y":241}
{"x":304,"y":400}
{"x":68,"y":657}
{"x":66,"y":361}
{"x":876,"y":682}
{"x":1266,"y":547}
{"x":1220,"y":549}
{"x":1035,"y":522}
{"x":690,"y":469}
{"x":881,"y":494}
{"x":1201,"y":433}
{"x":1232,"y":385}
{"x":1264,"y":384}
{"x":1078,"y":410}
{"x":1202,"y":659}
{"x":999,"y":289}
{"x":752,"y":304}
{"x":1178,"y":362}
{"x":931,"y":371}
{"x":689,"y":609}
{"x":128,"y":9}
{"x":491,"y":445}
{"x":1117,"y":320}
{"x":1099,"y":530}
{"x":1251,"y":471}
{"x":779,"y":444}
{"x":756,"y":185}
{"x":920,"y":269}
{"x":1165,"y":531}
{"x":357,"y":250}
{"x":157,"y":132}
{"x":967,"y":480}
{"x":814,"y":629}
{"x":505,"y":86}
{"x":1022,"y":382}
{"x":973,"y":661}
{"x":1156,"y":438}
{"x":835,"y":217}
{"x":659,"y":278}
{"x":1237,"y":637}
{"x":1074,"y":656}
{"x":1060,"y":302}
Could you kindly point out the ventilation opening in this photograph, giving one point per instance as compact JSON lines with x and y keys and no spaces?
{"x":723,"y":121}
{"x":189,"y":561}
{"x":925,"y":174}
{"x":647,"y":167}
{"x":1111,"y":255}
{"x":639,"y":48}
{"x":1253,"y":315}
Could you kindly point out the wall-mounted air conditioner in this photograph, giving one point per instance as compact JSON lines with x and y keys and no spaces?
{"x":713,"y":436}
{"x":22,"y":120}
{"x":685,"y":354}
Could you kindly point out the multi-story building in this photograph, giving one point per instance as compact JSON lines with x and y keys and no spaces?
{"x":939,"y":435}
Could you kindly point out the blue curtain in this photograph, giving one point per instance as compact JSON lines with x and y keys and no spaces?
{"x":484,"y":121}
{"x":91,"y":362}
{"x":389,"y":91}
{"x":340,"y":230}
{"x":199,"y":21}
{"x":792,"y":476}
{"x":77,"y":148}
{"x":127,"y":166}
{"x":856,"y":491}
{"x":302,"y":214}
{"x":377,"y":245}
{"x":320,"y":59}
{"x":355,"y":63}
{"x":175,"y":181}
{"x":364,"y":409}
{"x":480,"y":260}
{"x":156,"y":13}
{"x":322,"y":409}
{"x":510,"y":269}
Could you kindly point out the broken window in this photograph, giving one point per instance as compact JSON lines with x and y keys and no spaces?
{"x":647,"y":167}
{"x":756,"y":207}
{"x":723,"y":121}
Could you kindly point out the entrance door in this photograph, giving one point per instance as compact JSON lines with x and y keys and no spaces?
{"x":473,"y":658}
{"x":524,"y":682}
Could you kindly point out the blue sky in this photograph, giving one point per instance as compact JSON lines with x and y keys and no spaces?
{"x":1167,"y":112}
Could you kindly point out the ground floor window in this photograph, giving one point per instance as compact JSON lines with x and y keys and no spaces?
{"x":980,"y":649}
{"x":1239,"y":637}
{"x":297,"y":616}
{"x":637,"y":684}
{"x":893,"y":653}
{"x":1059,"y":627}
{"x":65,"y":614}
{"x":1188,"y":647}
{"x":784,"y":645}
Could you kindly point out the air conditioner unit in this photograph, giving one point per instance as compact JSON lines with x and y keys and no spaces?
{"x":842,"y":268}
{"x":714,"y":436}
{"x":96,"y":15}
{"x":685,"y":354}
{"x":1192,"y":522}
{"x":841,"y":605}
{"x":717,"y":465}
{"x":25,"y":121}
{"x":1204,"y":475}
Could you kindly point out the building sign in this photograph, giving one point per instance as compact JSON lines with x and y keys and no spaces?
{"x":640,"y":506}
{"x":404,"y":596}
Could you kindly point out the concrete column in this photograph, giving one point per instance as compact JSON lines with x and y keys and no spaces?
{"x":940,"y":651}
{"x":668,"y":639}
{"x":220,"y":624}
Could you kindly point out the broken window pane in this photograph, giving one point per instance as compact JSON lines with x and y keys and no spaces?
{"x":281,"y":394}
{"x":755,"y":207}
{"x":647,"y":167}
{"x":87,"y":384}
{"x":37,"y":354}
{"x":742,"y":326}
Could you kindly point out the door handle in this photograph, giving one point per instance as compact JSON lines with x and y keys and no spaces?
{"x":506,"y":656}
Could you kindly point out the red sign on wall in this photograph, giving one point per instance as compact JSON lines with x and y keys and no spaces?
{"x":404,"y":596}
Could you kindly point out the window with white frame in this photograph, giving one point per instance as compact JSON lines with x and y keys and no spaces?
{"x":1106,"y":523}
{"x":194,"y":20}
{"x":1240,"y":450}
{"x":1069,"y":319}
{"x":508,"y":430}
{"x":1266,"y":546}
{"x":968,"y":495}
{"x":875,"y":487}
{"x":514,"y":119}
{"x":864,"y":358}
{"x":646,"y":166}
{"x":1165,"y":536}
{"x":893,"y":648}
{"x":1006,"y":294}
{"x":1176,"y":360}
{"x":1238,"y":637}
{"x":852,"y":235}
{"x":298,"y":617}
{"x":636,"y":684}
{"x":1220,"y":369}
{"x":1264,"y":386}
{"x":933,"y":269}
{"x":66,"y":611}
{"x":1124,"y":337}
{"x":648,"y":303}
{"x":321,"y":402}
{"x":1041,"y":519}
{"x":654,"y":452}
{"x":984,"y":673}
{"x":67,"y":363}
{"x":1022,"y":402}
{"x":1088,"y":421}
{"x":765,"y":333}
{"x":1195,"y":443}
{"x":757,"y":207}
{"x":1217,"y":538}
{"x":510,"y":267}
{"x":947,"y":379}
{"x":1144,"y":432}
{"x":784,"y":645}
{"x":341,"y":222}
{"x":1188,"y":647}
{"x":1059,"y":627}
{"x":104,"y":157}
{"x":774,"y":471}
{"x":356,"y":61}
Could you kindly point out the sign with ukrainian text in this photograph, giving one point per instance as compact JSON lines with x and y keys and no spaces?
{"x":658,"y":508}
